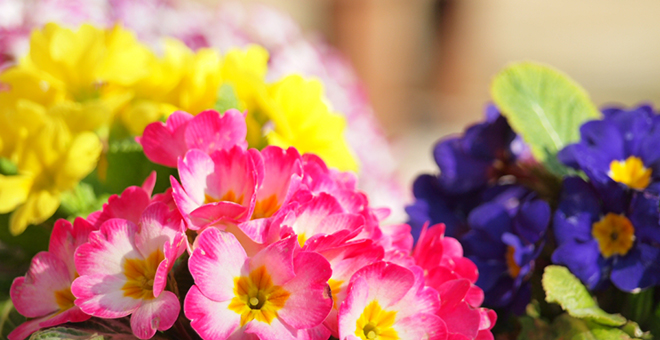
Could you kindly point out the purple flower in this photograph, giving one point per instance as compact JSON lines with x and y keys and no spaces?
{"x":505,"y":238}
{"x":605,"y":234}
{"x":621,"y":148}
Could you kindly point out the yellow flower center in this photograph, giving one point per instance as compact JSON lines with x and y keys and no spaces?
{"x":335,"y":288}
{"x":615,"y":235}
{"x":257,"y":298}
{"x":376,"y":323}
{"x":266,"y":207}
{"x":140,"y":274}
{"x":514,"y":268}
{"x":230,"y":196}
{"x":64,"y":298}
{"x":631,"y":172}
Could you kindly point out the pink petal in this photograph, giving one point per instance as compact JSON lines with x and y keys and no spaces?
{"x":164,"y":143}
{"x":216,"y":261}
{"x":421,"y":326}
{"x":149,"y":183}
{"x":129,"y":205}
{"x":211,"y":213}
{"x":26,"y":328}
{"x":278,"y":260}
{"x":209,"y":318}
{"x":155,"y":314}
{"x":34,"y":294}
{"x":282,"y":173}
{"x":195,"y":170}
{"x":452,"y":293}
{"x":101,"y":295}
{"x":462,"y":320}
{"x":276,"y":330}
{"x":106,"y":249}
{"x":172,"y":251}
{"x":388,"y":283}
{"x":65,"y":238}
{"x":157,"y":226}
{"x":73,"y":314}
{"x":310,"y":301}
{"x":209,"y":131}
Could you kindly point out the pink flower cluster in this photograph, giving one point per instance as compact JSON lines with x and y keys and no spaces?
{"x":279,"y":247}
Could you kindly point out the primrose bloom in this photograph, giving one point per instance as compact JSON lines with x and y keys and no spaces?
{"x":620,"y":148}
{"x":123,"y":270}
{"x":387,"y":301}
{"x":44,"y":293}
{"x":49,"y":162}
{"x":505,"y":237}
{"x":208,"y":131}
{"x":603,"y":234}
{"x":279,"y":293}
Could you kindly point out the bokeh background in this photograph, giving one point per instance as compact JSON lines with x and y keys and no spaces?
{"x":427,"y":64}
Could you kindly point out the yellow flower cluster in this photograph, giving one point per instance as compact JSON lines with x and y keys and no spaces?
{"x":58,"y":103}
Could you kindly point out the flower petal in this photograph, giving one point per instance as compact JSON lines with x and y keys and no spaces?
{"x":155,"y":314}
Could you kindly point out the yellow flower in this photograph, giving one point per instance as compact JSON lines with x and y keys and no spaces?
{"x":302,"y":119}
{"x":245,"y":70}
{"x":87,"y":62}
{"x":180,"y":80}
{"x":50,"y":159}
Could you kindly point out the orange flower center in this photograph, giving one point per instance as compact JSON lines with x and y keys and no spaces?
{"x":140,"y":274}
{"x":615,"y":235}
{"x":514,"y":268}
{"x":257,"y":298}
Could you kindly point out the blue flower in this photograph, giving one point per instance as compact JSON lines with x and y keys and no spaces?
{"x":480,"y":156}
{"x":621,"y":148}
{"x":605,"y":234}
{"x":504,"y":239}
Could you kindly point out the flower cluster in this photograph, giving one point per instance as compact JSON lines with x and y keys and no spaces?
{"x":607,"y":229}
{"x":278,"y":245}
{"x":479,"y":196}
{"x":74,"y":88}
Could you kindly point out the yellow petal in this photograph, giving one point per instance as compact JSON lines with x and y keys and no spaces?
{"x":14,"y":191}
{"x":38,"y":207}
{"x":81,"y":159}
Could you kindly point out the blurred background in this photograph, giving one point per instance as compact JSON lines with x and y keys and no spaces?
{"x":427,"y":64}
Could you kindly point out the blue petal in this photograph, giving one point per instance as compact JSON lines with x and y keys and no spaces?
{"x":532,"y":220}
{"x":644,"y":217}
{"x":460,"y":171}
{"x":491,"y":218}
{"x":479,"y":243}
{"x":639,"y":269}
{"x":582,"y":259}
{"x":490,"y":272}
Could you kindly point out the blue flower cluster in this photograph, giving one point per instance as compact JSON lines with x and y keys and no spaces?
{"x":500,"y":223}
{"x":606,"y":223}
{"x":608,"y":227}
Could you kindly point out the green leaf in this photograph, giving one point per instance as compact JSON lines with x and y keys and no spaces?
{"x":227,"y":99}
{"x":81,"y":201}
{"x":564,"y":288}
{"x":543,"y":105}
{"x":9,"y":318}
{"x":127,"y":165}
{"x":94,"y":329}
{"x":534,"y":329}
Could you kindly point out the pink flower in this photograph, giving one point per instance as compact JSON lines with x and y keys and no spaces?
{"x":124,"y":267}
{"x":215,"y":188}
{"x":208,"y":132}
{"x":388,"y":301}
{"x":345,"y":258}
{"x":454,"y":277}
{"x":129,"y":205}
{"x":44,"y":293}
{"x":279,"y":293}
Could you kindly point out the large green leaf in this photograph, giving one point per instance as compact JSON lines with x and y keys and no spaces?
{"x":543,"y":105}
{"x":9,"y":318}
{"x":564,"y":288}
